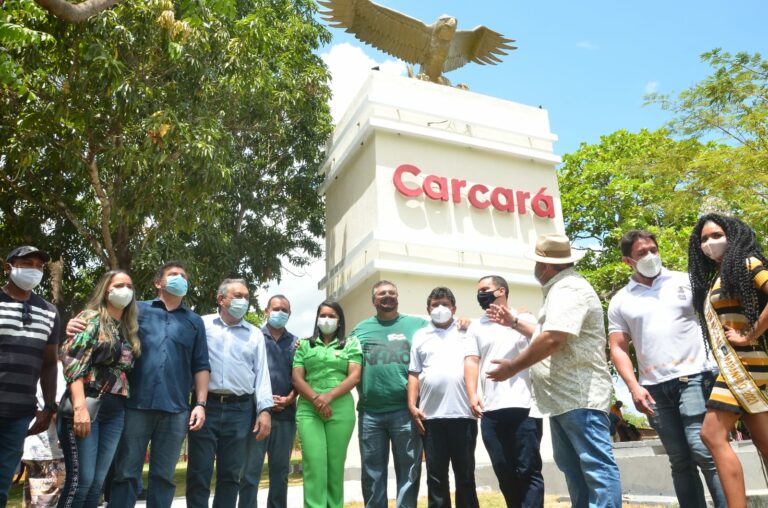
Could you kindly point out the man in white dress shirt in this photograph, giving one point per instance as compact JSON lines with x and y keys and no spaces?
{"x":239,"y":385}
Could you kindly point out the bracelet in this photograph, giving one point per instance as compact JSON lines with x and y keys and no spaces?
{"x":514,"y":323}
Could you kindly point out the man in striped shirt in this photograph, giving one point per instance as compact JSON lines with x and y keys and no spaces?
{"x":29,"y":337}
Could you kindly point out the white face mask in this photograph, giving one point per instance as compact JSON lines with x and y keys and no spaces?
{"x":441,"y":315}
{"x":649,"y":266}
{"x":327,"y":325}
{"x":120,"y":297}
{"x":714,"y":248}
{"x":26,"y":279}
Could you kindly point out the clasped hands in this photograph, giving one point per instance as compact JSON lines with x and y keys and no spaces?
{"x":322,"y":403}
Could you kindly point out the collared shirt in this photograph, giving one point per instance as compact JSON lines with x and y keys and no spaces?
{"x":491,"y":341}
{"x":663,"y":327}
{"x":437,"y":356}
{"x":26,"y":329}
{"x":238,"y":360}
{"x":575,"y":376}
{"x":327,"y":365}
{"x":280,"y":360}
{"x":173,"y":350}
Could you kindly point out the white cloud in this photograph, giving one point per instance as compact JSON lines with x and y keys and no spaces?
{"x":587,"y":45}
{"x":652,"y":87}
{"x":299,"y":285}
{"x":349,"y":67}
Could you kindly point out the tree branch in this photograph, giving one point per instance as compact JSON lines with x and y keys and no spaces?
{"x":76,"y":13}
{"x":106,"y":206}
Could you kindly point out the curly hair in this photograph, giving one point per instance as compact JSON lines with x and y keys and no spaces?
{"x":736,"y":280}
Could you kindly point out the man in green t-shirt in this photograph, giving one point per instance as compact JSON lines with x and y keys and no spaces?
{"x":384,"y":417}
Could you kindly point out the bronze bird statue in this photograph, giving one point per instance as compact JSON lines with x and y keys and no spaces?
{"x":438,"y":47}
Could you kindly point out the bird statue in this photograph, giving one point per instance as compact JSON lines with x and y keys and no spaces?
{"x":437,"y":48}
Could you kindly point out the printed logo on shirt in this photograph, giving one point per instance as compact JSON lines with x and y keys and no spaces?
{"x":396,"y":336}
{"x":681,"y":293}
{"x":386,"y":353}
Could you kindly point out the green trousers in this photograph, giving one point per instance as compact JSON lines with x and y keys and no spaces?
{"x":324,"y":450}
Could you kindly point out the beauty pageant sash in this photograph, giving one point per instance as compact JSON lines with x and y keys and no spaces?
{"x":741,"y":384}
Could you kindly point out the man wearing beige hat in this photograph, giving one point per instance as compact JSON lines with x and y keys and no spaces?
{"x":569,"y":373}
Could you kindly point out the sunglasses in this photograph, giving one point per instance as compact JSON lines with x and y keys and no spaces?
{"x":26,"y":314}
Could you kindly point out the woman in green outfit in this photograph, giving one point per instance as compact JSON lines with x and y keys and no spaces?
{"x":325,"y":369}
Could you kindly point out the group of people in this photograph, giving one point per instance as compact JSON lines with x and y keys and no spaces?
{"x":423,"y":384}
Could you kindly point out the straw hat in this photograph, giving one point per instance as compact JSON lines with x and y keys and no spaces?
{"x":554,"y":249}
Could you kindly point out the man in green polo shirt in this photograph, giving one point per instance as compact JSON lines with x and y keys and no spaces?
{"x":384,"y":417}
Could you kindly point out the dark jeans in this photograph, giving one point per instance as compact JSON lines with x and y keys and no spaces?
{"x":680,"y":408}
{"x":450,"y":440}
{"x":87,"y":459}
{"x":278,"y":446}
{"x":166,"y":431}
{"x":223,"y":438}
{"x":12,"y":434}
{"x":512,"y":439}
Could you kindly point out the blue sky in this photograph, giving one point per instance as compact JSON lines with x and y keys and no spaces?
{"x":590,"y":63}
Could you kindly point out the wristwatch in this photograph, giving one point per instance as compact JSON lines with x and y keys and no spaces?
{"x":201,"y":403}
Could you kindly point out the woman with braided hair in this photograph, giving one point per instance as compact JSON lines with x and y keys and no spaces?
{"x":729,"y":280}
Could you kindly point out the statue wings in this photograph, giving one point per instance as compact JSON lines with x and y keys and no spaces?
{"x":409,"y":39}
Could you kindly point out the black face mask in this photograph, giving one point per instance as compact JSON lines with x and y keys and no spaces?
{"x":485,"y":298}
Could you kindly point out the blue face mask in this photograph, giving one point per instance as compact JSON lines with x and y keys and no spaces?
{"x":176,"y":285}
{"x":277,"y":319}
{"x":238,"y":307}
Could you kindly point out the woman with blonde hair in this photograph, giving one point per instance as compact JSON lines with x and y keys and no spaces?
{"x":96,"y":362}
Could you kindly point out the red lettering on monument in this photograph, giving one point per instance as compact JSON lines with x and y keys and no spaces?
{"x":480,"y":196}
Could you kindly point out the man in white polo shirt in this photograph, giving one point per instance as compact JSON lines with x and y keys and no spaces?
{"x":511,"y":434}
{"x":654,"y":312}
{"x":437,"y":400}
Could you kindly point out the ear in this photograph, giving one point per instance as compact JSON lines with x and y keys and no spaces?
{"x":628,"y":261}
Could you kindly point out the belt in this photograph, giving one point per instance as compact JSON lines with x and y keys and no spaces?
{"x":228,"y":398}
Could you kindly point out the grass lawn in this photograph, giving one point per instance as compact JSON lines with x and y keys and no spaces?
{"x":179,"y":477}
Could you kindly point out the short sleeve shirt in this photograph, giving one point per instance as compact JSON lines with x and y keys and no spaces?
{"x":576,"y":376}
{"x":437,"y":356}
{"x":491,"y":341}
{"x":26,"y":328}
{"x":663,"y":326}
{"x":173,"y":349}
{"x":326,"y":365}
{"x":386,"y":349}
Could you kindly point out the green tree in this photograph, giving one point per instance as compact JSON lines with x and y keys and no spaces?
{"x":159,"y":130}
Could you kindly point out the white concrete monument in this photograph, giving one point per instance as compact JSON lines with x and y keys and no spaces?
{"x":427,"y":186}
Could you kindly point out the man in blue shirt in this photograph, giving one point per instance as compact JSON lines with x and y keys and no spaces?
{"x":239,"y":388}
{"x":280,"y":345}
{"x":174,"y":359}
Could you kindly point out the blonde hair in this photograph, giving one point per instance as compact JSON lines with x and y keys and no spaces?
{"x":129,"y":323}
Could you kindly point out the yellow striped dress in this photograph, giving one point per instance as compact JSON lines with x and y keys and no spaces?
{"x":754,"y":357}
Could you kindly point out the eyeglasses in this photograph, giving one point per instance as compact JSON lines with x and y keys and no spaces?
{"x":26,"y":314}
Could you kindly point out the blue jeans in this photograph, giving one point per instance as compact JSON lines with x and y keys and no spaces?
{"x":512,"y":439}
{"x":166,"y":431}
{"x":376,"y":431}
{"x":224,"y":436}
{"x":680,"y":409}
{"x":278,"y":446}
{"x":12,"y":434}
{"x":584,"y":453}
{"x":87,"y":459}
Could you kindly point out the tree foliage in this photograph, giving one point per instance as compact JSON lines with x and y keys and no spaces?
{"x":160,"y":130}
{"x":714,"y":153}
